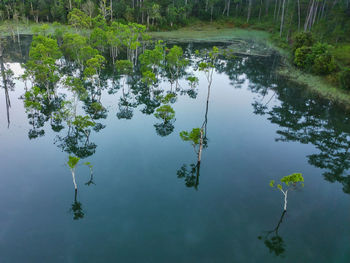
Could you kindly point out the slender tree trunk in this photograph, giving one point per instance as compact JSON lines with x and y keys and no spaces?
{"x":228,"y":8}
{"x":73,"y":176}
{"x":111,"y":7}
{"x":298,"y":15}
{"x":200,"y":147}
{"x":260,"y":9}
{"x":249,"y":10}
{"x":4,"y":80}
{"x":285,"y":200}
{"x":315,"y":15}
{"x":275,"y":11}
{"x":282,"y":17}
{"x":307,"y":20}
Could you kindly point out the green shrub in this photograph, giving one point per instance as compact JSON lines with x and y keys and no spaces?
{"x":302,"y":57}
{"x":302,"y":39}
{"x":323,"y":64}
{"x":344,"y":78}
{"x":317,"y":59}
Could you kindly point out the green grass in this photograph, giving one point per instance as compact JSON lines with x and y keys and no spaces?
{"x":342,"y":54}
{"x":211,"y":33}
{"x":9,"y":27}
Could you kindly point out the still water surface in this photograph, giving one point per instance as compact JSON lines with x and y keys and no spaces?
{"x":138,"y":209}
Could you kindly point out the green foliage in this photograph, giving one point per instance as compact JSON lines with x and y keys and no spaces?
{"x":88,"y":164}
{"x":292,"y":180}
{"x":41,"y":65}
{"x":124,"y":67}
{"x":324,"y":64}
{"x":207,"y":66}
{"x":79,"y":19}
{"x":174,"y":56}
{"x":149,"y":78}
{"x":73,"y":45}
{"x":82,"y":123}
{"x":342,"y":54}
{"x":73,"y":161}
{"x":32,"y":99}
{"x":193,"y":81}
{"x":303,"y":39}
{"x":76,"y":86}
{"x":98,"y":38}
{"x":175,"y":62}
{"x":301,"y":57}
{"x":151,"y":59}
{"x":97,"y":107}
{"x":99,"y":21}
{"x":41,"y":30}
{"x":165,"y":112}
{"x":317,"y":58}
{"x":344,"y":78}
{"x":168,"y":98}
{"x":192,"y":136}
{"x":94,"y":65}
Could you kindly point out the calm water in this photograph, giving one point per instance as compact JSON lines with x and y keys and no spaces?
{"x":259,"y":127}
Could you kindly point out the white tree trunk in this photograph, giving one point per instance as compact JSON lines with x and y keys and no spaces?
{"x":285,"y":200}
{"x":73,"y":176}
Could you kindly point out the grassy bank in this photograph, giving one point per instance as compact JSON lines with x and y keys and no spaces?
{"x":316,"y":84}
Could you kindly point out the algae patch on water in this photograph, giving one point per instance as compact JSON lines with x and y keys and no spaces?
{"x":242,"y":41}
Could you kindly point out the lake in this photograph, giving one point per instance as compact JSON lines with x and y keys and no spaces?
{"x":147,"y":200}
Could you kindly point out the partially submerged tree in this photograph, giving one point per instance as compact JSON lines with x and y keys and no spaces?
{"x":72,"y":163}
{"x":165,"y":113}
{"x":41,"y":66}
{"x":289,"y":182}
{"x":175,"y":63}
{"x":88,"y":164}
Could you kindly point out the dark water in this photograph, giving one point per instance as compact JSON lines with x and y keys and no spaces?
{"x":259,"y":127}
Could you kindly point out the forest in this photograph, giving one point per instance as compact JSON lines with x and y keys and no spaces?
{"x":330,"y":18}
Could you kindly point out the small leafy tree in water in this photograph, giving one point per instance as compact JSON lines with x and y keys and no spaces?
{"x":91,"y":180}
{"x":165,"y":112}
{"x":289,"y":182}
{"x":192,"y":81}
{"x":72,"y":163}
{"x":195,"y":137}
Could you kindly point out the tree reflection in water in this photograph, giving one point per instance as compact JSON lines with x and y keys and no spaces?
{"x":7,"y":82}
{"x":300,"y":115}
{"x":198,"y":136}
{"x":77,"y":208}
{"x":273,"y":241}
{"x":309,"y":120}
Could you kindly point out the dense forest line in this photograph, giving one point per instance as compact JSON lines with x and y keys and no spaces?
{"x":331,"y":17}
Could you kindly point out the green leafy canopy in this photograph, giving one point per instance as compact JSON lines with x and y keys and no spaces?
{"x":72,"y":161}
